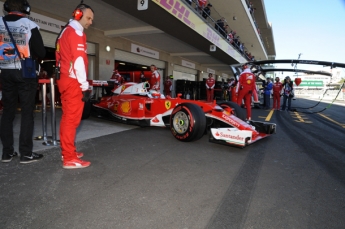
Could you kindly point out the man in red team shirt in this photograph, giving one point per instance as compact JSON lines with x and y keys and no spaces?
{"x":277,"y":89}
{"x":155,"y":79}
{"x":210,"y":83}
{"x":245,"y":88}
{"x":117,"y":78}
{"x":71,"y":56}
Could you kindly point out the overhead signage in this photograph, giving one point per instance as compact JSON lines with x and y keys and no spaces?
{"x":315,"y":83}
{"x":178,"y":9}
{"x":188,"y":64}
{"x":143,"y":4}
{"x":144,"y":51}
{"x":209,"y":70}
{"x":45,"y":23}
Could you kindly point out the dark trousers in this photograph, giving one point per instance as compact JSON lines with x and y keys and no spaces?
{"x":267,"y":100}
{"x":288,"y":99}
{"x":13,"y":85}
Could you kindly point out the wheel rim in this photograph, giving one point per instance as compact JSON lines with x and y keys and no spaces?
{"x":181,"y":122}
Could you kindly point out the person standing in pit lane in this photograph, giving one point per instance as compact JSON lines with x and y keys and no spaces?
{"x":142,"y":77}
{"x":267,"y":93}
{"x":117,"y":79}
{"x":287,"y":93}
{"x":277,"y":88}
{"x":30,"y":44}
{"x":245,"y":87}
{"x":210,"y":83}
{"x":71,"y":56}
{"x":168,"y":86}
{"x":231,"y":84}
{"x":155,"y":79}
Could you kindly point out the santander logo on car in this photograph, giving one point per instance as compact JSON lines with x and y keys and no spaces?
{"x":229,"y":136}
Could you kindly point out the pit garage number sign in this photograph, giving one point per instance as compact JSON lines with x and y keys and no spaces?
{"x":142,"y":4}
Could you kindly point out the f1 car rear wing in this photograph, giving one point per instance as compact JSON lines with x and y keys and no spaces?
{"x":101,"y":83}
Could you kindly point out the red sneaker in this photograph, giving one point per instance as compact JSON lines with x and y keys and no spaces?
{"x":79,"y":155}
{"x":75,"y":164}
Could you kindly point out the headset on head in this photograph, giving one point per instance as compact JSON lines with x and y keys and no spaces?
{"x":26,"y":8}
{"x":78,"y":12}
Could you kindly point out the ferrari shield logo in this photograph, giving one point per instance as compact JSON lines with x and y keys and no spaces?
{"x":167,"y":104}
{"x":123,"y":88}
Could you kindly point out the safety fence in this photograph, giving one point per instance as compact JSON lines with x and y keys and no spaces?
{"x":213,"y":18}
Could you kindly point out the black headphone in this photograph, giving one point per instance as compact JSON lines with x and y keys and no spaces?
{"x":26,"y":8}
{"x":78,"y":12}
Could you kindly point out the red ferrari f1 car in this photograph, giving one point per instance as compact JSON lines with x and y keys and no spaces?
{"x":188,"y":120}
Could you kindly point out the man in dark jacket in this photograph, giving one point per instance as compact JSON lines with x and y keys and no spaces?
{"x":30,"y":44}
{"x":220,"y":25}
{"x":287,"y":93}
{"x":207,"y":11}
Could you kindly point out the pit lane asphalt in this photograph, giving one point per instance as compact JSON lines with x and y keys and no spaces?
{"x":144,"y":178}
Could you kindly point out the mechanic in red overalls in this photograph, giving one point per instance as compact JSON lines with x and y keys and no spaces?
{"x":245,"y":87}
{"x":277,"y":90}
{"x":210,"y":83}
{"x":168,"y":86}
{"x":71,"y":56}
{"x":117,"y":78}
{"x":155,"y":79}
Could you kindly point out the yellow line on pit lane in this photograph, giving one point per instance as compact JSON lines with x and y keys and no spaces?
{"x":299,"y":117}
{"x":269,"y":116}
{"x":339,"y":124}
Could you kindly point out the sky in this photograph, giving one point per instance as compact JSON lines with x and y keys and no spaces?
{"x":315,"y":28}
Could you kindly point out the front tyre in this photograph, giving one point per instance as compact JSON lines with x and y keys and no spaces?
{"x":187,"y":122}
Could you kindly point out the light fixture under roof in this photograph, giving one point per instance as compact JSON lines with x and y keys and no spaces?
{"x":144,"y":67}
{"x":122,"y":63}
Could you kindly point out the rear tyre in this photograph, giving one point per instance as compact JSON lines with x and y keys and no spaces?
{"x":187,"y":122}
{"x":234,"y":109}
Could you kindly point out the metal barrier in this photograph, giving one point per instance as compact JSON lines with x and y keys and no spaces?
{"x":53,"y":141}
